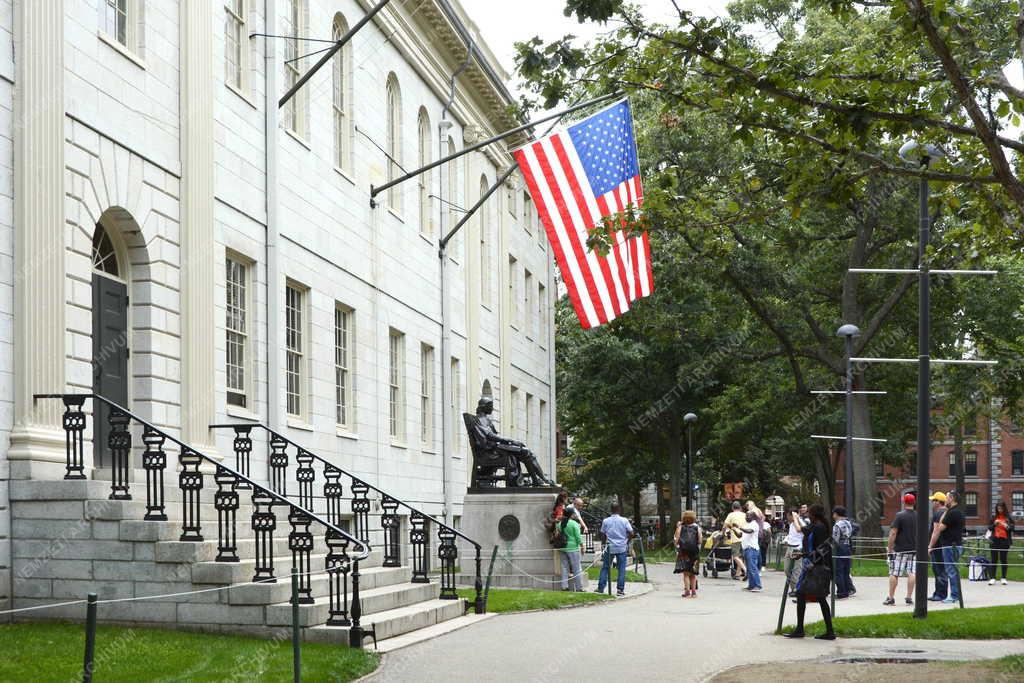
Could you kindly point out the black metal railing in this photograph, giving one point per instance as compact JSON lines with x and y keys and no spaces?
{"x":342,"y":566}
{"x":310,"y":468}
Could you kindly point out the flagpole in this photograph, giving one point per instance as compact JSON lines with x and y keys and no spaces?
{"x":374,"y":191}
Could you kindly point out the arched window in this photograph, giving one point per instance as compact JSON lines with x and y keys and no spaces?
{"x":485,"y":247}
{"x":104,"y":256}
{"x":296,"y":110}
{"x":342,"y":89}
{"x":393,"y":143}
{"x":425,"y":179}
{"x":452,"y":215}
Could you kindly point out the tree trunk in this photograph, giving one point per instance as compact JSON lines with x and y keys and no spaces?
{"x":865,"y":485}
{"x":637,"y":519}
{"x":826,"y":476}
{"x":958,"y":458}
{"x":675,"y":450}
{"x":662,"y":527}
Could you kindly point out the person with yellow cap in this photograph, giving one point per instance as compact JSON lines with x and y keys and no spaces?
{"x":938,"y":500}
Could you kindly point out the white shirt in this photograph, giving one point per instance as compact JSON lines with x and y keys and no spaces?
{"x":750,"y":538}
{"x":794,"y":537}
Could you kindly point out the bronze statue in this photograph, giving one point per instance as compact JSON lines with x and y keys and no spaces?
{"x":493,"y":452}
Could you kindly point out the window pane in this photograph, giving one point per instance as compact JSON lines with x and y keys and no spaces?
{"x":295,"y":367}
{"x":343,"y":365}
{"x":236,"y":332}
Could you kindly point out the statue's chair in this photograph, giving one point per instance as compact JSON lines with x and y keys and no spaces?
{"x":490,"y":463}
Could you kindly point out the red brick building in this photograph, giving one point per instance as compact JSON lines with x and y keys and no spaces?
{"x":993,"y":469}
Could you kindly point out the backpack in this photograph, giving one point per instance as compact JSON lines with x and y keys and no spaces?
{"x":558,"y":539}
{"x":688,"y":538}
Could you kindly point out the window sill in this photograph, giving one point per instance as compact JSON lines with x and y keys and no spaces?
{"x":399,"y":444}
{"x":398,"y":216}
{"x":298,"y":138}
{"x":241,"y":93}
{"x":345,"y":434}
{"x":236,"y":411}
{"x":344,"y":174}
{"x":298,"y":423}
{"x":429,"y":451}
{"x":427,"y":237}
{"x":122,"y":50}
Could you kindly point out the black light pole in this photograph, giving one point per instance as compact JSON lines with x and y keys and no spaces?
{"x":912,"y":151}
{"x":849,"y":332}
{"x":578,"y":464}
{"x":689,"y":419}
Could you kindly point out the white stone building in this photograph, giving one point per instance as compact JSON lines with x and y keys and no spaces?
{"x":171,"y":239}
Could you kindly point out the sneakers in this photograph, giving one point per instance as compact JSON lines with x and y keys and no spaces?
{"x":826,"y":636}
{"x":620,"y":593}
{"x":950,"y":601}
{"x":936,"y":598}
{"x":991,"y":582}
{"x":795,"y":634}
{"x":909,"y":601}
{"x":889,"y":601}
{"x":1003,"y":582}
{"x":844,"y":597}
{"x":756,"y":590}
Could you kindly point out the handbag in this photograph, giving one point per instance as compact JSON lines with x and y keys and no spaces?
{"x":816,"y":581}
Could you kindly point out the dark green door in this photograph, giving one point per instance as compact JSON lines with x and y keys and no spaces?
{"x":109,"y":356}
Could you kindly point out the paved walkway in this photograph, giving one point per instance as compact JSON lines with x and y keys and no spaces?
{"x":662,"y":637}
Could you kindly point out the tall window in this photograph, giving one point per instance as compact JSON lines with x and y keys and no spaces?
{"x":396,"y":383}
{"x":542,"y":430}
{"x":393,"y":142}
{"x":513,"y":405}
{"x":542,"y":314}
{"x":236,"y":329}
{"x":971,"y":428}
{"x":295,"y":25}
{"x":1017,"y":464}
{"x":295,"y":348}
{"x":344,"y":344}
{"x":119,"y":19}
{"x":485,"y":249}
{"x":452,"y":214}
{"x":425,"y":179}
{"x":528,"y":422}
{"x":513,"y":290}
{"x":510,"y":199}
{"x":1017,"y":501}
{"x":970,"y":464}
{"x":527,"y":216}
{"x":342,"y":71}
{"x":426,"y":394}
{"x":528,"y":307}
{"x":235,"y":41}
{"x":971,"y":504}
{"x":456,"y":406}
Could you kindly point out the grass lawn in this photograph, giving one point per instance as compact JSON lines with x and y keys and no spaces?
{"x":594,"y":572}
{"x":981,"y":623}
{"x":41,"y":652}
{"x":864,"y":567}
{"x":513,"y":600}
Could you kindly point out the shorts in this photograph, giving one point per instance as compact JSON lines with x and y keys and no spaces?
{"x":737,"y":549}
{"x":901,"y":564}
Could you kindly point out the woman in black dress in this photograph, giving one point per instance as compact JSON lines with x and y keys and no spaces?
{"x":817,"y":575}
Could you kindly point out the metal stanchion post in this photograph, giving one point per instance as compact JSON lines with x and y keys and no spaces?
{"x":782,"y":607}
{"x":90,"y":638}
{"x":296,"y":647}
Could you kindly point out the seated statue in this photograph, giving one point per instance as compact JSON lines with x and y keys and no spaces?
{"x":492,"y":452}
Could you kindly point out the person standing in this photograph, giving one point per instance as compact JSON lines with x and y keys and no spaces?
{"x":751,"y":543}
{"x":617,"y":531}
{"x":902,"y":550}
{"x":1000,"y":529}
{"x":842,"y":533}
{"x":948,"y":535}
{"x":815,"y":582}
{"x":938,"y":500}
{"x":688,"y":539}
{"x":572,"y":574}
{"x":733,"y":521}
{"x":793,"y":543}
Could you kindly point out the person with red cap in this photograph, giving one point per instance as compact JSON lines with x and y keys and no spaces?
{"x":902,"y":550}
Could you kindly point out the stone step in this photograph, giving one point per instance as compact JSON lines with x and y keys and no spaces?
{"x":270,"y":593}
{"x":393,"y":622}
{"x":372,"y":600}
{"x":225,"y":573}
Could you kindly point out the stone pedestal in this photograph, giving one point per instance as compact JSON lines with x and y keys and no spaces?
{"x":516,"y":521}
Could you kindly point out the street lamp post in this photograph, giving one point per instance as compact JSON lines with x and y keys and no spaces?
{"x":849,"y":332}
{"x":913,"y":151}
{"x":578,"y":464}
{"x":689,"y":419}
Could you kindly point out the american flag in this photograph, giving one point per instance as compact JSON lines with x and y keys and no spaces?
{"x":578,"y":177}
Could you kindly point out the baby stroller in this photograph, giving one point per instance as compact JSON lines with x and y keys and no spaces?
{"x":719,"y":557}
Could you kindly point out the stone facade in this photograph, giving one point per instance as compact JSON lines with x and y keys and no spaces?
{"x":146,"y":129}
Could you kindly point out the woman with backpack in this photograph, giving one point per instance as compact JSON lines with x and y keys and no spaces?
{"x":1000,"y":538}
{"x":688,"y":539}
{"x":816,"y":579}
{"x":567,"y":540}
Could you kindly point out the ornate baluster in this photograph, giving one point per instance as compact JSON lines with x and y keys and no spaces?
{"x":333,"y":492}
{"x":154,"y":461}
{"x":338,"y":567}
{"x":419,"y":536}
{"x":300,"y":542}
{"x":448,"y":553}
{"x":389,"y":521}
{"x":305,"y":475}
{"x":361,"y":510}
{"x":589,"y":536}
{"x":243,"y":449}
{"x":478,"y":585}
{"x":120,"y":442}
{"x":278,"y":465}
{"x":264,"y":521}
{"x":190,"y":481}
{"x":74,"y":428}
{"x":226,"y":502}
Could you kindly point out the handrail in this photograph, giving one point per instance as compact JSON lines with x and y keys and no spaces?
{"x":351,"y":476}
{"x":366,"y":551}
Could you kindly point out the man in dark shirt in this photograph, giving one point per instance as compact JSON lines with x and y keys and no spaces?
{"x":938,"y":500}
{"x":901,"y":550}
{"x":948,"y":536}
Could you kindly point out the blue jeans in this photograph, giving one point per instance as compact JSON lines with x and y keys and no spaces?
{"x":844,"y":582}
{"x":939,"y":569}
{"x":752,"y":556}
{"x":950,"y":557}
{"x":606,"y":570}
{"x":572,"y":575}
